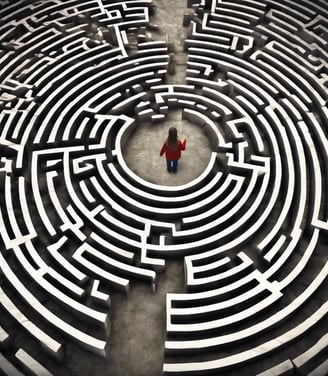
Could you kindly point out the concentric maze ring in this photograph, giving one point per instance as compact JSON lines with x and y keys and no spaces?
{"x":77,"y":224}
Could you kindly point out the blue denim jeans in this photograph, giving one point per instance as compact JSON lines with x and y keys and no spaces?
{"x":172,"y":166}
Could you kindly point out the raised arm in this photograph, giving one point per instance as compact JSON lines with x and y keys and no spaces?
{"x":183,"y":143}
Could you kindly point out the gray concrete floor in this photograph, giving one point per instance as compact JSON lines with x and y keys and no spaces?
{"x":169,"y":18}
{"x":138,"y":325}
{"x":142,"y":151}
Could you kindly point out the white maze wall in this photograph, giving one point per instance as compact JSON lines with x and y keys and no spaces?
{"x":76,"y":80}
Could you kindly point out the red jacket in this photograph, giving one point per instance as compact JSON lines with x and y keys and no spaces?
{"x":170,"y":154}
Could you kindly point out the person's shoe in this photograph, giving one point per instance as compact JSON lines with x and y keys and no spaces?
{"x":169,"y":170}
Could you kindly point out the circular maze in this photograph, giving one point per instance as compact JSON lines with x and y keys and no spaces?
{"x":77,"y":224}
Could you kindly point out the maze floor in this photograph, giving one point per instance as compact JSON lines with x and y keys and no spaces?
{"x":110,"y":265}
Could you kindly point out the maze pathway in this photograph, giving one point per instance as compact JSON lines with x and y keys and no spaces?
{"x":77,"y":224}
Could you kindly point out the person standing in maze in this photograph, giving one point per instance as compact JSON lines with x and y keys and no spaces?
{"x":172,"y":148}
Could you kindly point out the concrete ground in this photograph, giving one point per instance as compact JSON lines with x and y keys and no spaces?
{"x":142,"y":151}
{"x":138,"y":325}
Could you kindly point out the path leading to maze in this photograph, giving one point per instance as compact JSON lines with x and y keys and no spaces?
{"x":169,"y":18}
{"x":139,"y":324}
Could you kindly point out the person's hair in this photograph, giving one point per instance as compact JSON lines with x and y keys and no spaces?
{"x":172,"y":138}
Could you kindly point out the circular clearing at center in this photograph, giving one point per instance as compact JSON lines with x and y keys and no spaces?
{"x":141,"y":151}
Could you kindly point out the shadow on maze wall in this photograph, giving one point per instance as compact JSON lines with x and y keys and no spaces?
{"x":109,"y":265}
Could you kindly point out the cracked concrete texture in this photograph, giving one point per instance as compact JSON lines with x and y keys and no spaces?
{"x":138,"y":332}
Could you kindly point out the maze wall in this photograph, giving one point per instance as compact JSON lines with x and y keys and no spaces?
{"x":76,"y":79}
